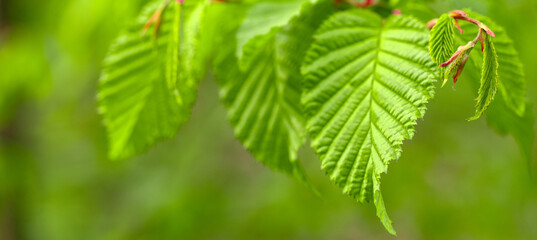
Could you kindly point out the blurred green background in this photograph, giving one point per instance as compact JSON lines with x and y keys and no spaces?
{"x":455,"y":180}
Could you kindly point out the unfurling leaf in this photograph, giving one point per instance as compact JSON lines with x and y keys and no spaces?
{"x":489,"y":78}
{"x":511,"y":82}
{"x":441,"y":45}
{"x":456,"y":63}
{"x":366,"y":84}
{"x":508,"y":113}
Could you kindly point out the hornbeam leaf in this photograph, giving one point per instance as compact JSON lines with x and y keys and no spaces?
{"x":366,"y":83}
{"x":489,"y":78}
{"x":135,"y":98}
{"x":441,"y":45}
{"x":186,"y":66}
{"x":263,"y":99}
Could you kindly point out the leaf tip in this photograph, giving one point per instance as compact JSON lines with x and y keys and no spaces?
{"x":477,"y":116}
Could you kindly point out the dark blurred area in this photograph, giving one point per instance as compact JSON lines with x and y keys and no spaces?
{"x":455,"y":179}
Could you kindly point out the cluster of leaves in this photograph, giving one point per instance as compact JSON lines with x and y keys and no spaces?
{"x":355,"y":80}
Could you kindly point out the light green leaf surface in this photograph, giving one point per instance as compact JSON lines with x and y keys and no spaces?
{"x":366,"y":84}
{"x":441,"y":45}
{"x":173,"y":50}
{"x":135,"y":98}
{"x":263,"y":100}
{"x":186,"y":64}
{"x":489,"y":78}
{"x":264,"y":16}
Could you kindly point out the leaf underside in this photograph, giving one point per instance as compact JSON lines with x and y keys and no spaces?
{"x":263,"y":96}
{"x":135,"y":98}
{"x":264,"y":16}
{"x":366,"y":84}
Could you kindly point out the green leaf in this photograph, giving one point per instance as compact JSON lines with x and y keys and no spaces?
{"x":263,"y":99}
{"x":511,"y":81}
{"x":366,"y":84}
{"x":510,"y":113}
{"x":219,"y":23}
{"x":186,"y":65}
{"x":441,"y":45}
{"x":264,"y":16}
{"x":134,"y":96}
{"x":489,"y":78}
{"x":504,"y":114}
{"x":173,"y":51}
{"x":503,"y":119}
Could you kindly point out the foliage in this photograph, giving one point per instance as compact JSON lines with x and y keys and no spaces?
{"x":263,"y":94}
{"x":56,"y":180}
{"x":355,"y":80}
{"x":508,"y":114}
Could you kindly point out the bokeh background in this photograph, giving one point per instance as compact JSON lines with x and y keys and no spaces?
{"x":455,"y":180}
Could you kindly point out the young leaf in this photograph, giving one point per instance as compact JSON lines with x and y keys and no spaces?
{"x":366,"y":84}
{"x":264,"y":16}
{"x":504,"y":114}
{"x":511,"y":81}
{"x":458,"y":61}
{"x":504,"y":120}
{"x":442,"y":42}
{"x":489,"y":78}
{"x":264,"y":99}
{"x":134,"y":98}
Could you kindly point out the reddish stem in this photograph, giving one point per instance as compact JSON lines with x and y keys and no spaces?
{"x":458,"y":26}
{"x":479,"y":24}
{"x":463,"y":51}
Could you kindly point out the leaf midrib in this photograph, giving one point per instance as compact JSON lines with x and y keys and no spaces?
{"x":371,"y":116}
